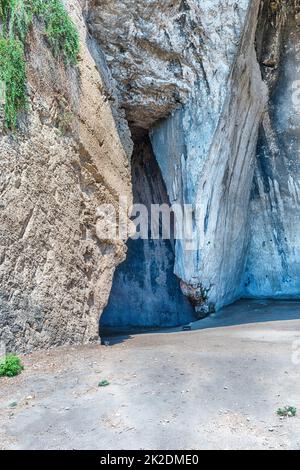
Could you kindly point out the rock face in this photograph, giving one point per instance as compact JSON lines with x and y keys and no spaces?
{"x":153,"y":49}
{"x":145,"y":291}
{"x":198,"y":83}
{"x":209,"y":163}
{"x":55,"y":275}
{"x":206,"y":148}
{"x":273,"y":267}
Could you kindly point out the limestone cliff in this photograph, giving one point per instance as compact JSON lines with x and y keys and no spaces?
{"x":203,"y":94}
{"x":225,"y":60}
{"x":204,"y":135}
{"x":209,"y":163}
{"x":273,"y":267}
{"x":68,"y":156}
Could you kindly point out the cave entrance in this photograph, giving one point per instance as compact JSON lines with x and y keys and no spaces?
{"x":146,"y":293}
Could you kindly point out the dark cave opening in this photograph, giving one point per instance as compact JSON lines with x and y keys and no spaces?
{"x":146,"y":293}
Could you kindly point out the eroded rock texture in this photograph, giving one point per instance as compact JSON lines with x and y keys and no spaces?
{"x":209,"y":162}
{"x":55,"y":275}
{"x":205,"y":148}
{"x":273,"y":267}
{"x":191,"y":79}
{"x":153,"y":49}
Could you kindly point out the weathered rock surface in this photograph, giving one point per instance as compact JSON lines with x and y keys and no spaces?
{"x":186,"y":74}
{"x":55,"y":275}
{"x":206,"y":148}
{"x":154,"y":50}
{"x":273,"y":266}
{"x":206,"y":153}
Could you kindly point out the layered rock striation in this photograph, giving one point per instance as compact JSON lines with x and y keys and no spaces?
{"x":70,"y":154}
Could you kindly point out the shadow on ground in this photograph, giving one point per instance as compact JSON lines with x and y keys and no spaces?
{"x":243,"y":312}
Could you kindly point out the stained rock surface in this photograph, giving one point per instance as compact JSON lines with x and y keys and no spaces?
{"x":153,"y":49}
{"x":273,"y":266}
{"x":209,"y":162}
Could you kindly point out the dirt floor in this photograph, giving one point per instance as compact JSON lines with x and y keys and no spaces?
{"x":211,"y":388}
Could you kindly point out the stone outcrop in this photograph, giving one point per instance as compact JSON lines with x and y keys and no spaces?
{"x":153,"y":49}
{"x":206,"y":147}
{"x":70,"y":156}
{"x":273,"y":267}
{"x":209,"y":163}
{"x":195,"y":85}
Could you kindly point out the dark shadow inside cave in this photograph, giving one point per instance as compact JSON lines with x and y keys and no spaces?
{"x":145,"y":292}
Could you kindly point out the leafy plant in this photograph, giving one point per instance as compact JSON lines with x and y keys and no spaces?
{"x":13,"y":75}
{"x":16,"y":16}
{"x":287,"y":411}
{"x":10,"y":366}
{"x":13,"y":404}
{"x":38,"y":7}
{"x":103,"y":383}
{"x":61,"y":32}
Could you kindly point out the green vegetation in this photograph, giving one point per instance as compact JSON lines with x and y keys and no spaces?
{"x":61,"y":33}
{"x":103,"y":383}
{"x":13,"y":75}
{"x":287,"y":411}
{"x":13,"y":404}
{"x":10,"y":366}
{"x":16,"y":16}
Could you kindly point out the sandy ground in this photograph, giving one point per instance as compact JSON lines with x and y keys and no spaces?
{"x":214,"y":388}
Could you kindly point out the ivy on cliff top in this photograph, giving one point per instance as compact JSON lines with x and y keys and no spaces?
{"x":61,"y":32}
{"x":13,"y":75}
{"x":16,"y":16}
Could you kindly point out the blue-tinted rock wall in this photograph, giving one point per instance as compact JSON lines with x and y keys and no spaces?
{"x":273,"y":266}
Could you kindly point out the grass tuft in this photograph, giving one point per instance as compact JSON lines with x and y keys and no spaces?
{"x":103,"y":383}
{"x":10,"y":366}
{"x":61,"y":32}
{"x":287,"y":411}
